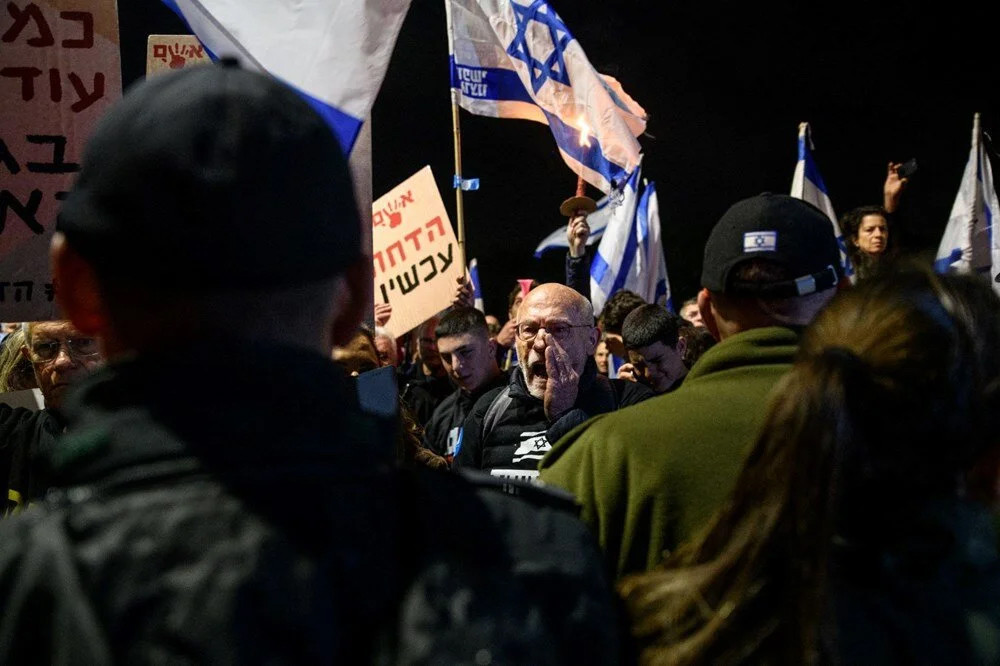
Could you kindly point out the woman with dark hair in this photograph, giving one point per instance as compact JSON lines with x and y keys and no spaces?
{"x":867,"y":228}
{"x":858,"y":531}
{"x":867,"y":232}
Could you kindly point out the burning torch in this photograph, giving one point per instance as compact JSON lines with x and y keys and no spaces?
{"x":580,"y":203}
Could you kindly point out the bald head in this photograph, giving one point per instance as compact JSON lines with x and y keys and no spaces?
{"x":561,"y":298}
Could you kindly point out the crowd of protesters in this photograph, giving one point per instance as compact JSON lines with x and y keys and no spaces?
{"x":790,"y":470}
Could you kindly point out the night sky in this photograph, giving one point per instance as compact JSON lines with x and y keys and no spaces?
{"x":725,"y":88}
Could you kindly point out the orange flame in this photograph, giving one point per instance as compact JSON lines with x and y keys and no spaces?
{"x":584,"y":128}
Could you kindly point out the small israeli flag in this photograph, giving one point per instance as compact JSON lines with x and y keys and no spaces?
{"x":333,"y":52}
{"x":969,"y":242}
{"x":760,"y":241}
{"x":517,"y":59}
{"x":477,"y":291}
{"x":808,"y":185}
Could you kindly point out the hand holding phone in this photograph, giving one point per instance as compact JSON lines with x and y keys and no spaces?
{"x":907,"y":168}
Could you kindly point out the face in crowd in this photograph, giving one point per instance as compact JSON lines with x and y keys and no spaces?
{"x":873,"y":234}
{"x":553,"y":315}
{"x":691,"y":313}
{"x":60,"y":355}
{"x":427,"y":349}
{"x":658,"y":365}
{"x":469,"y":358}
{"x":388,"y":354}
{"x":601,"y":357}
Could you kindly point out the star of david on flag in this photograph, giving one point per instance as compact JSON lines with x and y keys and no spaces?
{"x":517,"y":59}
{"x":553,"y":67}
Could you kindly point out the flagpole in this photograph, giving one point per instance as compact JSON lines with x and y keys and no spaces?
{"x":456,"y":133}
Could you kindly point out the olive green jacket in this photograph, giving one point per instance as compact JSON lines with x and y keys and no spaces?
{"x":649,"y":476}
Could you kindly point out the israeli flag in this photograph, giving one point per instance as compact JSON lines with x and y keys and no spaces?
{"x":517,"y":59}
{"x":630,"y":255}
{"x":808,"y":185}
{"x":598,"y":221}
{"x":969,"y":243}
{"x":333,"y":52}
{"x":477,"y":291}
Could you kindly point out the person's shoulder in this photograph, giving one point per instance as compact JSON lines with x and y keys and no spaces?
{"x":630,"y":393}
{"x":485,"y":400}
{"x":445,"y":406}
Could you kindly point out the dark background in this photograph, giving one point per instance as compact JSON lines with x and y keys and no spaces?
{"x":725,"y":88}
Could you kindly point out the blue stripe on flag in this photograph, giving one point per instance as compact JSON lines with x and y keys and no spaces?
{"x":628,"y":257}
{"x":345,"y":126}
{"x":811,"y":170}
{"x":568,"y":140}
{"x":944,"y":263}
{"x":598,"y":268}
{"x":498,"y":84}
{"x":642,"y":215}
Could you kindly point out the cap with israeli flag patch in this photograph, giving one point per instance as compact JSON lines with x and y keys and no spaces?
{"x":782,"y":230}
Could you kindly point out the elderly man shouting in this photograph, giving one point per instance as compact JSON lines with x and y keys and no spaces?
{"x":556,"y":387}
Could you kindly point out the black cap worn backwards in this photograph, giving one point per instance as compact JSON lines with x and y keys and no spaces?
{"x":215,"y":177}
{"x":785,"y":231}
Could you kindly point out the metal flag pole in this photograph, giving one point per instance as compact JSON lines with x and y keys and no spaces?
{"x":456,"y":133}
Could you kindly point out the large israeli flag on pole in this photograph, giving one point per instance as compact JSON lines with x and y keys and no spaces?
{"x":808,"y":185}
{"x":630,"y":255}
{"x":333,"y":52}
{"x":969,"y":242}
{"x":517,"y":59}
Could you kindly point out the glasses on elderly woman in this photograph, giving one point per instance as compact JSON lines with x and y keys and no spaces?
{"x":44,"y":351}
{"x":559,"y":330}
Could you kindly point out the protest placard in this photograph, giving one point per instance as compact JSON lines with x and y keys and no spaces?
{"x":415,"y":252}
{"x":165,"y":53}
{"x":60,"y":70}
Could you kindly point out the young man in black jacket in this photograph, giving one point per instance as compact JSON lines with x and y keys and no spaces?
{"x":469,"y":356}
{"x":555,"y":389}
{"x":220,"y":495}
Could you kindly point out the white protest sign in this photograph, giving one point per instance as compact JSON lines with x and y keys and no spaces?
{"x":165,"y":53}
{"x":61,"y":69}
{"x":415,"y":252}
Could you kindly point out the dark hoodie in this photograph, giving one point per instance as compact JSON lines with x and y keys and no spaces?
{"x":510,"y":440}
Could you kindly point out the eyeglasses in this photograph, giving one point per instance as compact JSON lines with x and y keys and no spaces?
{"x":557,"y":330}
{"x":44,"y":351}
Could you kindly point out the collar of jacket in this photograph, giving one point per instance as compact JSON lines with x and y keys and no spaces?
{"x":519,"y":389}
{"x":758,"y":346}
{"x":229,"y":406}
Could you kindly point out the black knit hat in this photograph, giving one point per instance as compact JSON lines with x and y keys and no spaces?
{"x":215,"y":177}
{"x":785,"y":231}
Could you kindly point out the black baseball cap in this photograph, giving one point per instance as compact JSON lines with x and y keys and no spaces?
{"x":785,"y":231}
{"x":213,"y":176}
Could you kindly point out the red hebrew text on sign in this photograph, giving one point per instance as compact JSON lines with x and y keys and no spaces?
{"x":415,"y":252}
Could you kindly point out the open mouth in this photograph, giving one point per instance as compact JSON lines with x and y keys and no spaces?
{"x":538,"y":370}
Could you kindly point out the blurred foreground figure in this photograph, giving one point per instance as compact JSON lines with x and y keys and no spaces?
{"x":221,"y":498}
{"x":858,"y":532}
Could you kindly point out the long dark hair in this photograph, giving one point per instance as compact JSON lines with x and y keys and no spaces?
{"x":894,"y":396}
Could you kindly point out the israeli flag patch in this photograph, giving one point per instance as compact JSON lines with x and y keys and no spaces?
{"x":760,"y":241}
